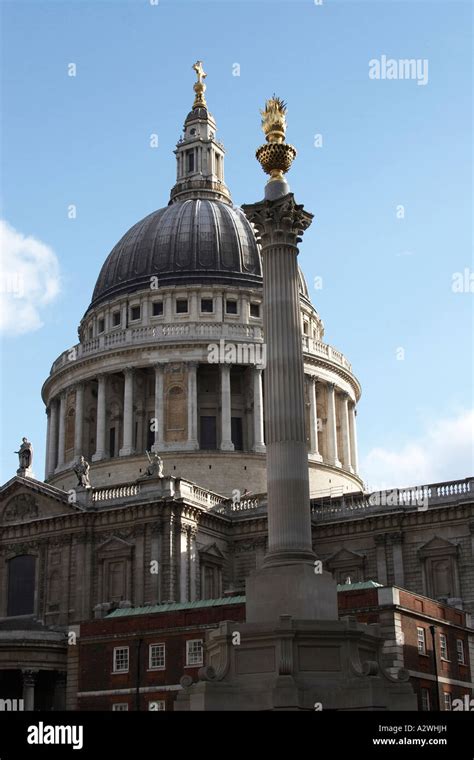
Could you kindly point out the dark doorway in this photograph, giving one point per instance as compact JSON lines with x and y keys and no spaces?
{"x":236,"y":433}
{"x":21,"y":585}
{"x":208,"y":433}
{"x":112,"y":442}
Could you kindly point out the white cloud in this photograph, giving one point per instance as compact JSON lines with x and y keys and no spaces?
{"x":29,"y":280}
{"x":443,"y":452}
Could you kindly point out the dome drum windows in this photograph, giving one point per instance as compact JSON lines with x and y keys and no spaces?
{"x":135,"y":313}
{"x":157,"y":309}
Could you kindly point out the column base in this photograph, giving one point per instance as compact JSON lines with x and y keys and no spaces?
{"x":335,"y":463}
{"x":126,"y":451}
{"x":295,"y":590}
{"x":314,"y":457}
{"x":227,"y":446}
{"x":98,"y":455}
{"x":259,"y":448}
{"x":157,"y":447}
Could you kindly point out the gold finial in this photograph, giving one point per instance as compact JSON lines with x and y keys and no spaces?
{"x":276,"y":156}
{"x":273,"y":120}
{"x":199,"y":86}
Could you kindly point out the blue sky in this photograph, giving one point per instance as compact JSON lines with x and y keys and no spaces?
{"x":387,"y":282}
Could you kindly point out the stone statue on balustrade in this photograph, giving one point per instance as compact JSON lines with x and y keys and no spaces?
{"x":82,"y":469}
{"x":25,"y":456}
{"x":155,"y":466}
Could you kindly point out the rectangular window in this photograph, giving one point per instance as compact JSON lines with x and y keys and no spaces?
{"x":190,"y":161}
{"x":120,"y":707}
{"x":157,"y":308}
{"x":156,"y":656}
{"x":181,"y":306}
{"x":194,"y":652}
{"x":134,"y":313}
{"x":254,"y":309}
{"x":460,"y":651}
{"x":443,"y":646}
{"x":207,"y":305}
{"x":305,"y":328}
{"x":420,"y":636}
{"x":425,"y":700}
{"x":116,"y":318}
{"x":120,"y":659}
{"x":101,"y":326}
{"x":231,"y":307}
{"x":157,"y":704}
{"x":447,"y":700}
{"x":91,"y":332}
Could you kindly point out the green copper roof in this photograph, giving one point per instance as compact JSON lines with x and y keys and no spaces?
{"x":175,"y":606}
{"x":358,"y":586}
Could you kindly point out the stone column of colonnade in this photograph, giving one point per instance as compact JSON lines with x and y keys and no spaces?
{"x":226,"y":433}
{"x":78,"y":421}
{"x":258,"y":441}
{"x":100,"y":450}
{"x":127,"y":447}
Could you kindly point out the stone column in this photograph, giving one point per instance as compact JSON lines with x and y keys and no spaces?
{"x":331,"y":426}
{"x":127,"y":447}
{"x":100,"y":452}
{"x":62,"y":429}
{"x":258,"y":442}
{"x":396,"y":540}
{"x":279,"y":223}
{"x":159,"y":408}
{"x":53,"y":437}
{"x":346,"y":443}
{"x":193,"y":565}
{"x":79,"y":418}
{"x":381,"y":559}
{"x":353,"y":437}
{"x":314,"y":450}
{"x":183,"y":569}
{"x":29,"y":681}
{"x":48,"y":435}
{"x":226,"y":433}
{"x":192,"y":405}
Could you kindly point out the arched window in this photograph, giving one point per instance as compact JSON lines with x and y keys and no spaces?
{"x":21,"y":585}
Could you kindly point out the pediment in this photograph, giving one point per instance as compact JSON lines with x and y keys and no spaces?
{"x":437,"y":546}
{"x":345,"y":555}
{"x":211,"y":550}
{"x":23,"y":501}
{"x":114,"y":545}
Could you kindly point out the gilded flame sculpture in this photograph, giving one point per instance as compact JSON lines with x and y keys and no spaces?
{"x":276,"y":156}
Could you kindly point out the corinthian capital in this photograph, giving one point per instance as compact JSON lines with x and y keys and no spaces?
{"x":278,"y":221}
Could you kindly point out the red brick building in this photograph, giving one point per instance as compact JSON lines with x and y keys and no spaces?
{"x":133,"y":659}
{"x":408,"y":622}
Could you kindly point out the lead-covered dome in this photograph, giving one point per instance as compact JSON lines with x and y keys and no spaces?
{"x":189,"y":241}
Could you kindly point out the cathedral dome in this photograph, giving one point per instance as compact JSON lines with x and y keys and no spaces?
{"x":189,"y":241}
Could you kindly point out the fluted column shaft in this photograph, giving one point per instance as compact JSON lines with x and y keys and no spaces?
{"x":127,"y":447}
{"x":331,"y":426}
{"x":279,"y":223}
{"x":226,"y":433}
{"x":52,"y":437}
{"x":346,"y":444}
{"x":192,"y":405}
{"x":159,"y":408}
{"x":353,"y":437}
{"x":62,"y":429}
{"x":100,"y":451}
{"x":78,"y":423}
{"x":258,"y":442}
{"x":314,"y":420}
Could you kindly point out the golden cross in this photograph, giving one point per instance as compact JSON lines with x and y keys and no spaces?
{"x":199,"y":71}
